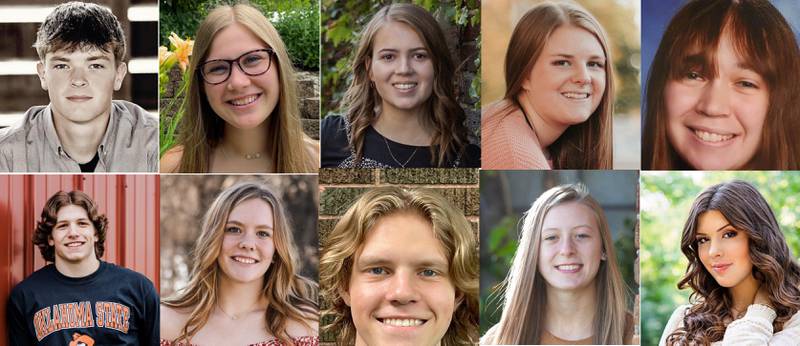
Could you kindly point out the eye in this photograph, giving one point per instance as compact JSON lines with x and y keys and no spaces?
{"x":583,"y":236}
{"x":216,"y":68}
{"x":83,"y":224}
{"x":564,"y":63}
{"x":263,"y":234}
{"x":252,"y":59}
{"x":730,"y":234}
{"x":596,"y":64}
{"x":97,"y":66}
{"x":550,"y":237}
{"x":701,"y":241}
{"x":694,"y":75}
{"x":420,"y":56}
{"x":233,"y":229}
{"x":376,"y":271}
{"x":747,"y":84}
{"x":387,"y":57}
{"x":60,"y":66}
{"x":429,"y":273}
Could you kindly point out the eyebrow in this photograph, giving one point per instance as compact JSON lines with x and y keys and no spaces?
{"x":718,"y":229}
{"x":372,"y":260}
{"x":578,"y":226}
{"x":397,"y":50}
{"x":58,"y":222}
{"x":91,"y":58}
{"x":237,"y":223}
{"x":570,"y":56}
{"x":700,"y":60}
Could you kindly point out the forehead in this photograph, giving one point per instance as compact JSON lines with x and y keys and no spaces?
{"x":233,"y":41}
{"x":573,"y":40}
{"x":403,"y":236}
{"x":253,"y":210}
{"x":569,"y":215}
{"x":78,"y":53}
{"x":71,"y":212}
{"x":396,"y":35}
{"x":710,"y":221}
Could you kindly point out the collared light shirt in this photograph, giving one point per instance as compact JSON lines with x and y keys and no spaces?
{"x":130,"y":143}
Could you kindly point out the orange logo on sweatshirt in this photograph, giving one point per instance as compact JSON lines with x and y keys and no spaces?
{"x":81,"y":340}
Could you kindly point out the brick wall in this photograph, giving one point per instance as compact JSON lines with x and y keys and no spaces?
{"x":339,"y":188}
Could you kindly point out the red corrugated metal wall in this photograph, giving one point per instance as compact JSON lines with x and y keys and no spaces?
{"x":131,"y":203}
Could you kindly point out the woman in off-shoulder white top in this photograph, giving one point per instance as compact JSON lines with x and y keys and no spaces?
{"x":745,"y":282}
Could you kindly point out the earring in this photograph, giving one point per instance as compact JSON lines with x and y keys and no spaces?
{"x":603,"y":256}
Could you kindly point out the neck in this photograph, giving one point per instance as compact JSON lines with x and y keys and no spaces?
{"x":80,"y":140}
{"x":247,"y":141}
{"x":570,"y":314}
{"x":403,"y":126}
{"x":547,"y":131}
{"x":238,"y":298}
{"x":78,"y":269}
{"x":744,"y":293}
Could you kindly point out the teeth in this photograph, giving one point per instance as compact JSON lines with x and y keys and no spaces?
{"x":244,"y":100}
{"x":568,"y":267}
{"x":244,"y":260}
{"x":74,"y":244}
{"x":712,"y":137}
{"x":576,"y":95}
{"x":404,"y":86}
{"x":402,"y":322}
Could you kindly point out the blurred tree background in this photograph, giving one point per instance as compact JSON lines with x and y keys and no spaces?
{"x":665,"y":202}
{"x":186,"y":198}
{"x":621,"y":21}
{"x":297,"y":21}
{"x":342,"y":22}
{"x":506,"y":195}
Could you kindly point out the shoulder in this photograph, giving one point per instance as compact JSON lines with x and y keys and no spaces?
{"x":675,"y":322}
{"x":334,"y":121}
{"x":171,"y":160}
{"x":40,"y":279}
{"x":131,"y":277}
{"x":138,"y":115}
{"x":17,"y":132}
{"x":172,"y":320}
{"x":508,"y":141}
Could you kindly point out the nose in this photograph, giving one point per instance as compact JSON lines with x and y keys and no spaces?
{"x":402,"y":289}
{"x":238,"y":78}
{"x":404,"y":66}
{"x":566,"y":247}
{"x":714,"y":249}
{"x":714,"y":100}
{"x":72,"y":230}
{"x":247,"y":242}
{"x":581,"y":75}
{"x":78,"y":78}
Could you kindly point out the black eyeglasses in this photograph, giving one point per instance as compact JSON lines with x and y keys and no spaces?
{"x":253,"y":63}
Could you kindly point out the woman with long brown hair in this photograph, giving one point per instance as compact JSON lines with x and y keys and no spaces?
{"x":745,"y":283}
{"x":564,"y":286}
{"x":400,"y":108}
{"x":242,"y":112}
{"x":559,"y":100}
{"x":722,"y":90}
{"x":244,"y":288}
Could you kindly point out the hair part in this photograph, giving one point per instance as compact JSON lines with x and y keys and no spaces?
{"x":80,"y":26}
{"x":524,"y":289}
{"x":773,"y":265}
{"x":201,"y":129}
{"x":587,"y":145}
{"x":44,"y":227}
{"x":290,"y":297}
{"x":444,"y":114}
{"x":450,"y":227}
{"x":759,"y":34}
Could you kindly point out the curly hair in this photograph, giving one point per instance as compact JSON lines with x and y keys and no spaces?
{"x":524,"y":288}
{"x":452,"y":230}
{"x":289,"y":295}
{"x":44,"y":227}
{"x":773,"y":266}
{"x":446,"y":115}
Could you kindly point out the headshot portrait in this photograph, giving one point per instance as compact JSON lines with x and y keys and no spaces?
{"x":86,"y":123}
{"x":721,"y":258}
{"x":559,"y":258}
{"x":79,"y":272}
{"x":719,"y":96}
{"x":239,"y":260}
{"x":557,"y":76}
{"x":237,"y":106}
{"x":400,"y":86}
{"x":398,"y":264}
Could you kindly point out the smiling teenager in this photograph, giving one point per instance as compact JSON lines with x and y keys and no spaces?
{"x":745,"y":283}
{"x":81,"y":51}
{"x":242,"y":113}
{"x":401,"y":106}
{"x":79,"y":297}
{"x":244,"y":288}
{"x":564,"y":286}
{"x":720,"y":95}
{"x":558,"y":105}
{"x":401,"y":268}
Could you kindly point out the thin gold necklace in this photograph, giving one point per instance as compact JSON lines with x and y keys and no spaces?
{"x":247,"y":156}
{"x":402,"y":165}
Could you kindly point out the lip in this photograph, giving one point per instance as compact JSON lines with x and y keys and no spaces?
{"x":80,"y":244}
{"x":79,"y":98}
{"x":243,"y":101}
{"x":577,"y":95}
{"x":721,"y":268}
{"x":568,"y":268}
{"x":401,"y":322}
{"x":711,"y":137}
{"x":405,"y":86}
{"x":244,"y":259}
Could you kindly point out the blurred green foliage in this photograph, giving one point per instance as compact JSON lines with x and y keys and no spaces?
{"x":297,"y":21}
{"x":342,"y":22}
{"x":666,"y":198}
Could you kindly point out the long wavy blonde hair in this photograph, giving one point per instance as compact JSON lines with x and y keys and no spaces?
{"x":290,"y":297}
{"x":525,"y":297}
{"x":201,"y":129}
{"x":446,"y":117}
{"x":452,"y":230}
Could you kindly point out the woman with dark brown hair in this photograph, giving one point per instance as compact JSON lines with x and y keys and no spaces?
{"x":559,"y":99}
{"x":745,"y":282}
{"x":720,"y":90}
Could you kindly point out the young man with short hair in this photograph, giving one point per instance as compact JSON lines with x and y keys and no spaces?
{"x":79,"y":298}
{"x":81,"y":49}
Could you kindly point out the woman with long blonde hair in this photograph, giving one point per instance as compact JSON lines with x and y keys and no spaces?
{"x":564,"y":286}
{"x":401,"y":107}
{"x":242,"y":112}
{"x":244,"y":288}
{"x":559,"y":100}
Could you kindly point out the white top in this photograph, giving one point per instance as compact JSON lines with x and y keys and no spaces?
{"x":755,"y":328}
